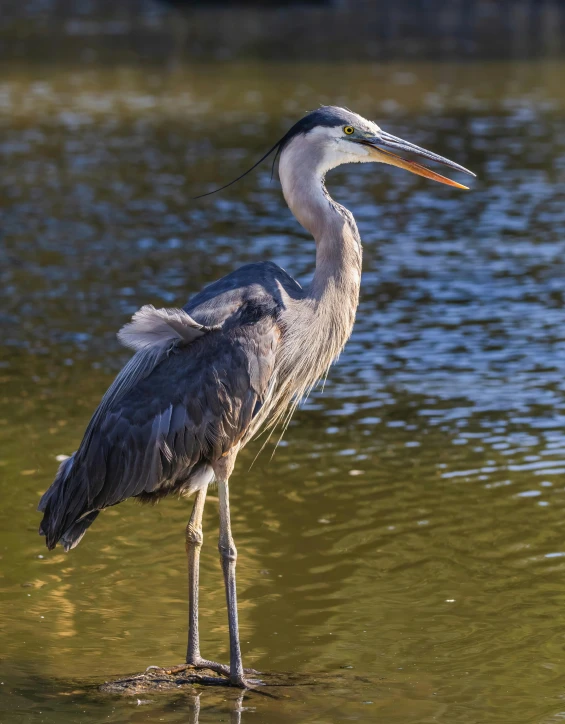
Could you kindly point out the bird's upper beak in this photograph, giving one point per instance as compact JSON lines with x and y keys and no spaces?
{"x":381,"y":144}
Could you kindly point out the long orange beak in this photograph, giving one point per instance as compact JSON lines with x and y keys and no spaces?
{"x":381,"y":143}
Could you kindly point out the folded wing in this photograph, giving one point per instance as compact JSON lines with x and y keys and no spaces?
{"x":187,"y":396}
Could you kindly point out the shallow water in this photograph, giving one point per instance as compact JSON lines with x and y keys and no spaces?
{"x":406,"y":541}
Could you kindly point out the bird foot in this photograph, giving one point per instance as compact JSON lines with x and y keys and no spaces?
{"x":222,"y":669}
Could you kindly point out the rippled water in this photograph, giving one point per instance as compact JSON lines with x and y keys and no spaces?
{"x":407,"y":538}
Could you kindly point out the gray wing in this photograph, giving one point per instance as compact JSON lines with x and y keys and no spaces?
{"x":186,"y":397}
{"x":196,"y":405}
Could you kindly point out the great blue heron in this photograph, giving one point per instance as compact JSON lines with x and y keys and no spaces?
{"x":240,"y":355}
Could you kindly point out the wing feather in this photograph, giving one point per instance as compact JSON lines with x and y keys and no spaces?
{"x":186,"y":397}
{"x":167,"y":413}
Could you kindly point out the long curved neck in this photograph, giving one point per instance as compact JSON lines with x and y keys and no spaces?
{"x":316,"y":327}
{"x":338,"y":246}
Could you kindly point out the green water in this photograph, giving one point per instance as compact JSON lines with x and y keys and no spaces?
{"x":406,"y":542}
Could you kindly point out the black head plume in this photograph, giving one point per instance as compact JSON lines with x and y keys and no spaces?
{"x":328,"y":116}
{"x":215,"y":191}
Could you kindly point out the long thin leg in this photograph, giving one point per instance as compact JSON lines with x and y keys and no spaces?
{"x":194,"y":540}
{"x":228,"y":555}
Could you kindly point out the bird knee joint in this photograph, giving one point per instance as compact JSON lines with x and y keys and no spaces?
{"x":228,"y":551}
{"x":194,"y":536}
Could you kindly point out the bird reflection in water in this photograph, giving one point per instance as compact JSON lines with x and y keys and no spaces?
{"x":236,"y":708}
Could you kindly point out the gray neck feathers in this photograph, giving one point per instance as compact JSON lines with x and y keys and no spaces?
{"x":302,"y":170}
{"x":316,"y":328}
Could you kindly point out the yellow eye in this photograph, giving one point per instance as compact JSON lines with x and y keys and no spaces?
{"x":348,"y":130}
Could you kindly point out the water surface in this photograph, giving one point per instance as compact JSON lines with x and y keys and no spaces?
{"x":407,"y":538}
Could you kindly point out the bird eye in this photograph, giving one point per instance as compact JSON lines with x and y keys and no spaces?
{"x":348,"y":130}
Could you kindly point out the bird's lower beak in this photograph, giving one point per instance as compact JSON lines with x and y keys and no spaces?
{"x":384,"y":141}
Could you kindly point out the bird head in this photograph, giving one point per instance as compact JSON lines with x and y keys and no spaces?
{"x":331,"y":136}
{"x":334,"y":136}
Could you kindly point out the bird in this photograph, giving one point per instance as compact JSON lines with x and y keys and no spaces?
{"x":237,"y":358}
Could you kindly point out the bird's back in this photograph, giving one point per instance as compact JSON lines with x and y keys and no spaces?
{"x":251,"y":287}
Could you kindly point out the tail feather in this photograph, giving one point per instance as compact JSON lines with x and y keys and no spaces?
{"x":62,"y":474}
{"x":64,"y":516}
{"x":73,"y":535}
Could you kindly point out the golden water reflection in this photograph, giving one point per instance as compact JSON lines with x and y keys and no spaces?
{"x":407,"y":536}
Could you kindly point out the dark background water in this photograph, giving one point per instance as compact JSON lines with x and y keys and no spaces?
{"x":406,"y":541}
{"x":109,"y":31}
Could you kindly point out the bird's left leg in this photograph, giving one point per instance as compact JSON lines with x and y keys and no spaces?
{"x":228,"y":554}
